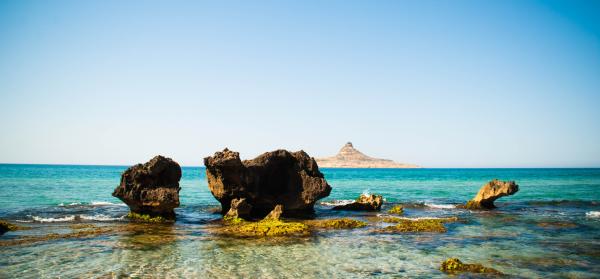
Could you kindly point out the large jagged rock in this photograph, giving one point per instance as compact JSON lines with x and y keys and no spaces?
{"x":291,"y":179}
{"x":363,"y":203}
{"x":152,"y":188}
{"x":490,"y":192}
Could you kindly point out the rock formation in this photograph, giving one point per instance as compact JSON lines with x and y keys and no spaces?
{"x":291,"y":179}
{"x":363,"y":203}
{"x":151,"y":189}
{"x":349,"y":157}
{"x":490,"y":192}
{"x":6,"y":226}
{"x":455,"y":266}
{"x":240,"y":208}
{"x":275,"y":214}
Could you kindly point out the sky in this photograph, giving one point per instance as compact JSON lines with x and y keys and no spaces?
{"x":434,"y":83}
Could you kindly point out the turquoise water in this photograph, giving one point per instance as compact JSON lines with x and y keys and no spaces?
{"x":550,"y":228}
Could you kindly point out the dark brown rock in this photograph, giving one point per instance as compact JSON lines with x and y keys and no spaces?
{"x":291,"y":179}
{"x":152,"y":188}
{"x":240,"y":208}
{"x":490,"y":192}
{"x":363,"y":203}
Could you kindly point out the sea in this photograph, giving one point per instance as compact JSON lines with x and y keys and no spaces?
{"x":549,"y":229}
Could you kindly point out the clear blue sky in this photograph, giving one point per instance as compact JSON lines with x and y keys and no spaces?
{"x":436,"y":83}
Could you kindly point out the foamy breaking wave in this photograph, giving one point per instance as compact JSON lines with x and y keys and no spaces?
{"x":593,"y":214}
{"x":93,"y":203}
{"x":415,"y":218}
{"x":69,"y":218}
{"x":336,"y":202}
{"x":440,"y":206}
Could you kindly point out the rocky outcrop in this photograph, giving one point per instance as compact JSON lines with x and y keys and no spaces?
{"x":350,"y":157}
{"x":151,"y":189}
{"x":490,"y":192}
{"x":291,"y":179}
{"x":240,"y":208}
{"x":363,"y":203}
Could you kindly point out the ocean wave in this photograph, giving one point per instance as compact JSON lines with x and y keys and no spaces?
{"x":70,"y":218}
{"x":336,"y":202}
{"x":593,"y":214}
{"x":93,"y":203}
{"x":440,"y":206}
{"x":564,"y":203}
{"x":414,"y":218}
{"x":62,"y":204}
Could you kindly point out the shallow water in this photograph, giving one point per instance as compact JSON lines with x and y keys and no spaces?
{"x":550,"y":228}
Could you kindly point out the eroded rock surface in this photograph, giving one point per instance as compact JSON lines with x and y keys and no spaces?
{"x":151,"y":189}
{"x":291,"y":179}
{"x":240,"y":208}
{"x":490,"y":192}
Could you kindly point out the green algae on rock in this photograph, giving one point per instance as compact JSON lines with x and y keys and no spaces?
{"x":397,"y":209}
{"x":416,"y":225}
{"x":268,"y":228}
{"x":454,"y":265}
{"x":147,"y":218}
{"x":342,"y":223}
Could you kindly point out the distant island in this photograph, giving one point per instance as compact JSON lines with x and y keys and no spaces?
{"x":350,"y":157}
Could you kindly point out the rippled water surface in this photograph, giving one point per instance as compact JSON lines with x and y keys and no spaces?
{"x":549,"y":229}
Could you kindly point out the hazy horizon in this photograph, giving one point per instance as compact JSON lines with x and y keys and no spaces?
{"x":437,"y":84}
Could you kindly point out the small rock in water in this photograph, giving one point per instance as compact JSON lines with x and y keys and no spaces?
{"x":275,"y":214}
{"x":6,"y":226}
{"x":454,"y":265}
{"x":363,"y":203}
{"x":490,"y":192}
{"x":240,"y":208}
{"x":397,"y":209}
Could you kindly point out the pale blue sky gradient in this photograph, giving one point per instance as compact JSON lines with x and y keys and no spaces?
{"x":436,"y":83}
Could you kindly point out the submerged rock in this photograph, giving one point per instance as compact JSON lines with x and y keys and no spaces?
{"x":363,"y":203}
{"x":151,"y":189}
{"x":240,"y":208}
{"x":6,"y":226}
{"x":291,"y":179}
{"x":454,"y":265}
{"x":397,"y":209}
{"x":490,"y":192}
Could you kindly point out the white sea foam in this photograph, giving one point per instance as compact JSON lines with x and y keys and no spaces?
{"x":69,"y":218}
{"x":440,"y":206}
{"x":413,"y":218}
{"x":51,"y":220}
{"x":593,"y":214}
{"x":100,"y":217}
{"x":70,"y":204}
{"x":337,"y":202}
{"x":102,"y":203}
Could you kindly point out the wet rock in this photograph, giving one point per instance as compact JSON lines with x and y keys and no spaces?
{"x":151,"y":189}
{"x":490,"y":192}
{"x":341,"y":223}
{"x":275,"y":214}
{"x":240,"y":208}
{"x":6,"y":226}
{"x":363,"y":203}
{"x":291,"y":179}
{"x":397,"y":209}
{"x":454,"y":265}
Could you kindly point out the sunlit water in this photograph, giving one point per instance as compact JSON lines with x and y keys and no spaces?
{"x":550,"y":228}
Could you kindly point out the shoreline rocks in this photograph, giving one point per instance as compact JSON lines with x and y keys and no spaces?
{"x":239,"y":208}
{"x":151,"y":189}
{"x":291,"y":179}
{"x":490,"y":192}
{"x":454,"y":266}
{"x":364,"y":202}
{"x":6,"y":227}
